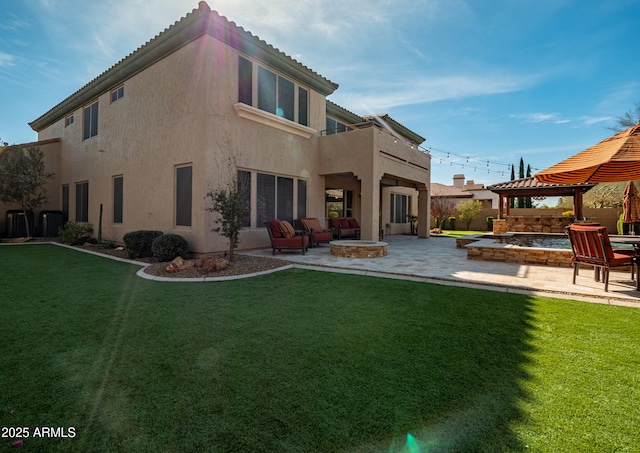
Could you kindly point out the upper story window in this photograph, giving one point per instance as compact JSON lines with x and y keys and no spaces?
{"x":117,"y":93}
{"x":273,"y":93}
{"x":90,"y":121}
{"x":68,"y":121}
{"x":335,"y":127}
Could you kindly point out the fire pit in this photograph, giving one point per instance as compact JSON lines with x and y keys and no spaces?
{"x":358,"y":249}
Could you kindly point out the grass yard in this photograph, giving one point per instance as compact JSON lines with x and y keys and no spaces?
{"x":458,"y":233}
{"x":304,"y":361}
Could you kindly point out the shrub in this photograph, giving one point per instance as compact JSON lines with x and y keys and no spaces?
{"x":169,"y":246}
{"x":452,"y":223}
{"x":567,"y":214}
{"x":620,"y":225}
{"x":490,"y":223}
{"x":75,"y":233}
{"x":138,"y":243}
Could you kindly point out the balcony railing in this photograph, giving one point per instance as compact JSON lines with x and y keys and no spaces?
{"x":367,"y":124}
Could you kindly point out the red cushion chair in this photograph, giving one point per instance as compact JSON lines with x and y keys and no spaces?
{"x":344,"y":227}
{"x":279,"y":241}
{"x":591,"y":245}
{"x":316,"y":233}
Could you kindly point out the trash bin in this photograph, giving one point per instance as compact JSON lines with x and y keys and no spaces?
{"x":16,"y":225}
{"x":49,"y":223}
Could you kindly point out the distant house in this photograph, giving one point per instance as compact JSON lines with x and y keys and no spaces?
{"x":461,"y":191}
{"x":206,"y":102}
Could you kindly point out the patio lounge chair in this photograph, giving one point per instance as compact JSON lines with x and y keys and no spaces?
{"x":345,"y":227}
{"x":591,"y":245}
{"x":283,"y":236}
{"x":316,"y":233}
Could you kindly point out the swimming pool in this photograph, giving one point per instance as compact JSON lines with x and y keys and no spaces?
{"x":551,"y":249}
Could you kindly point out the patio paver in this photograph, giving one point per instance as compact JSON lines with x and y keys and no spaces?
{"x":437,"y":260}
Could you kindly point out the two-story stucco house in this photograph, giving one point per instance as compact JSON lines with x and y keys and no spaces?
{"x":205,"y":102}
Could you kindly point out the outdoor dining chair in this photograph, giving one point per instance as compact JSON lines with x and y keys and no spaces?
{"x":591,"y":245}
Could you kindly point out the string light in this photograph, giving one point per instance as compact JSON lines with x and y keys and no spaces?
{"x":451,"y":157}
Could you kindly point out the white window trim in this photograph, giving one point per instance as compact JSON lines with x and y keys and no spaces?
{"x":269,"y":119}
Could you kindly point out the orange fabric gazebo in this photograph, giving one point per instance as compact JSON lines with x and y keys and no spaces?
{"x":616,"y":158}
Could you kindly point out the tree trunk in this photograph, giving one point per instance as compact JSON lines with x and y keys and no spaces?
{"x":26,"y":222}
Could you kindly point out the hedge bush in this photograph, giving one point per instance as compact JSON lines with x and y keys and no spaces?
{"x":138,"y":243}
{"x":75,"y":233}
{"x":169,"y":246}
{"x":452,"y":223}
{"x":490,"y":223}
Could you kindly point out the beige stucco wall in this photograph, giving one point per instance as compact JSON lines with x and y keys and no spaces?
{"x":385,"y":209}
{"x":183,"y":111}
{"x":377,"y":159}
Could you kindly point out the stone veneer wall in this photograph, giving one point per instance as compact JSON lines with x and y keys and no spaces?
{"x":499,"y":226}
{"x":560,"y":258}
{"x":537,"y":224}
{"x":351,"y":249}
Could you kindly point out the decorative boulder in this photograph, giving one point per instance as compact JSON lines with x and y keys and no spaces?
{"x":212,"y":264}
{"x":178,"y":264}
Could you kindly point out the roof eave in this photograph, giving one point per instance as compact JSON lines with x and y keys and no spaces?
{"x":398,"y":128}
{"x":343,"y":114}
{"x":193,"y":26}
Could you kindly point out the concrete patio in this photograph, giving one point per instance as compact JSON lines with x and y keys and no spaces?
{"x":437,"y":260}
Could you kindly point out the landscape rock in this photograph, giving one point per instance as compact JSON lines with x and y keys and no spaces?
{"x":178,"y":264}
{"x":212,"y":264}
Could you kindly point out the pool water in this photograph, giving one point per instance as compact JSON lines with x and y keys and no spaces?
{"x":537,"y":241}
{"x":546,"y":241}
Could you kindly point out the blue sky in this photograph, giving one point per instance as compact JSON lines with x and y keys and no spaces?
{"x":487,"y":80}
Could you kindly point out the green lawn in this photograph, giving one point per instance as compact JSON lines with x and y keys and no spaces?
{"x":304,"y":361}
{"x":458,"y":233}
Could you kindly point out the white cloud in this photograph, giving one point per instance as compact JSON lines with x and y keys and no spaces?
{"x":535,"y":117}
{"x":588,"y":120}
{"x":6,"y":59}
{"x":382,"y":93}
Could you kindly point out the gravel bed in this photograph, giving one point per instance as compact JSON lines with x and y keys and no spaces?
{"x":241,"y":265}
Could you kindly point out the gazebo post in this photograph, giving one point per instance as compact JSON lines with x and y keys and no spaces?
{"x":577,"y":204}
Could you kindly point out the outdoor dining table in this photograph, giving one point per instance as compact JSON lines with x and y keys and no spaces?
{"x":635,"y":242}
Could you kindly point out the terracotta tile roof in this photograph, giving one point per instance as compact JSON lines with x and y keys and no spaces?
{"x":531,"y":185}
{"x":440,"y":190}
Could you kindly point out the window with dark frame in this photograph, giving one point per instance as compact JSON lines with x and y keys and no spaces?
{"x":302,"y":198}
{"x":400,"y":207}
{"x":335,"y":127}
{"x":276,"y":94}
{"x":82,"y":202}
{"x":65,"y":203}
{"x":244,"y":189}
{"x":266,"y":198}
{"x":245,"y":81}
{"x":68,"y":121}
{"x":303,"y":106}
{"x":284,"y":201}
{"x":118,"y":93}
{"x":274,"y":198}
{"x":184,"y":179}
{"x":118,"y":198}
{"x":90,"y":121}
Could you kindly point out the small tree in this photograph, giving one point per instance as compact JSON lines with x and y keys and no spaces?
{"x":469,"y":210}
{"x":22,"y":179}
{"x":442,"y":206}
{"x":231,"y":204}
{"x":629,"y":119}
